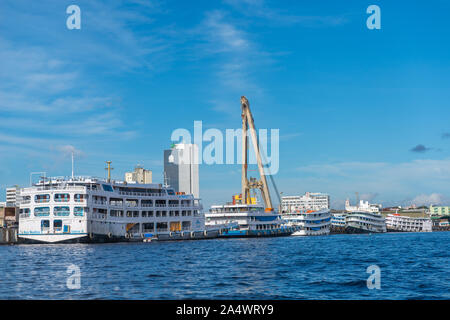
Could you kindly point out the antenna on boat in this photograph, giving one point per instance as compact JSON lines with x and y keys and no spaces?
{"x":72,"y":164}
{"x":108,"y":168}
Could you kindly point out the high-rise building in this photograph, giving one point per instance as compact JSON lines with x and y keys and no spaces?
{"x":308,"y":201}
{"x":12,"y":195}
{"x":181,"y":168}
{"x":139,"y":175}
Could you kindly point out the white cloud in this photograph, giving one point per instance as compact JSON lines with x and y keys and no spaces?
{"x":260,"y":9}
{"x":381,"y":182}
{"x":431,"y":199}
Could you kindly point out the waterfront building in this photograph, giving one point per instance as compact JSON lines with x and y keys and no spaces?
{"x":88,"y":209}
{"x":440,"y":210}
{"x":308,"y":201}
{"x":8,"y":215}
{"x":396,"y":222}
{"x":139,"y":175}
{"x":12,"y":194}
{"x":181,"y":168}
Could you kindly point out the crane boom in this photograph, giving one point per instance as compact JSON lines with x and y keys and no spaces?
{"x":248,"y":124}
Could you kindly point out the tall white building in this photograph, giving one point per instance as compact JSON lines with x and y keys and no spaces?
{"x":11,"y":196}
{"x":181,"y":168}
{"x":139,"y":175}
{"x":308,"y":201}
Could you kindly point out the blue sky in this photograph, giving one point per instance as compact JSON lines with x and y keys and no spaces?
{"x":358,"y":109}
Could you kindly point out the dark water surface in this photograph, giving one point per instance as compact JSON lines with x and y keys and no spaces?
{"x":413,"y":266}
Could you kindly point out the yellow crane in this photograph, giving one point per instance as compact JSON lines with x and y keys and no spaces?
{"x":248,"y":125}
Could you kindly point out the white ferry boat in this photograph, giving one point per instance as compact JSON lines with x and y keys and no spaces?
{"x":364,"y":222}
{"x":338,"y":220}
{"x":250,"y":220}
{"x":86,"y":209}
{"x":308,"y":222}
{"x":364,"y":218}
{"x":396,"y":222}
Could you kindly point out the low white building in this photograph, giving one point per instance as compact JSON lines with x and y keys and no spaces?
{"x":308,"y":201}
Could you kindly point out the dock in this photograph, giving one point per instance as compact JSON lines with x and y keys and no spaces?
{"x":8,"y":236}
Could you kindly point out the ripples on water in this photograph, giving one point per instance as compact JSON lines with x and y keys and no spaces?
{"x":413,"y":266}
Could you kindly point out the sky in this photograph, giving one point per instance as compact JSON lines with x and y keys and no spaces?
{"x":358,"y":110}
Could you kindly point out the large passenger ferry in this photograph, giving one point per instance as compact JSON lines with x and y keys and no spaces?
{"x":308,"y":222}
{"x":250,"y":220}
{"x":87,"y":209}
{"x":364,"y":218}
{"x":364,"y":222}
{"x":396,"y":222}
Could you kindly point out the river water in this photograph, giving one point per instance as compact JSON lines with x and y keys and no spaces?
{"x":411,"y":265}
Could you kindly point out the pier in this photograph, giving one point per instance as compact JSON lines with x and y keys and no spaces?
{"x":8,"y":236}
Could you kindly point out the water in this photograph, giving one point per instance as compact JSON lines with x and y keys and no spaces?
{"x":413,"y":266}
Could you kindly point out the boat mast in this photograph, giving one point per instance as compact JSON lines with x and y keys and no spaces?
{"x":108,"y":168}
{"x":248,"y":123}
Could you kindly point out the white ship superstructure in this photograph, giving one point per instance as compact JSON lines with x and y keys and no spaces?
{"x":364,"y":222}
{"x":84,"y":209}
{"x":308,"y":222}
{"x":249,"y":220}
{"x":396,"y":222}
{"x":364,"y":218}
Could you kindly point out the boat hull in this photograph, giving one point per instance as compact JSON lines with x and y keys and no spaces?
{"x":101,"y":238}
{"x":256,"y":233}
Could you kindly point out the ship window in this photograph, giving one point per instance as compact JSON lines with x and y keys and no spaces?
{"x":62,"y":197}
{"x":148,"y":227}
{"x":170,"y":192}
{"x":144,"y":214}
{"x":78,"y":211}
{"x":164,"y":213}
{"x":186,"y":225}
{"x":61,"y":211}
{"x":116,"y":213}
{"x":107,"y":187}
{"x":42,"y":211}
{"x":80,"y":197}
{"x":146,"y":203}
{"x":158,"y":213}
{"x":132,"y":202}
{"x":45,"y":225}
{"x":161,"y":226}
{"x":150,"y":213}
{"x":41,"y":198}
{"x":129,"y":214}
{"x":57,"y":225}
{"x":135,"y":214}
{"x":116,"y":202}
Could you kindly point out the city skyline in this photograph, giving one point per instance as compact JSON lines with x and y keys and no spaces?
{"x":357,"y":109}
